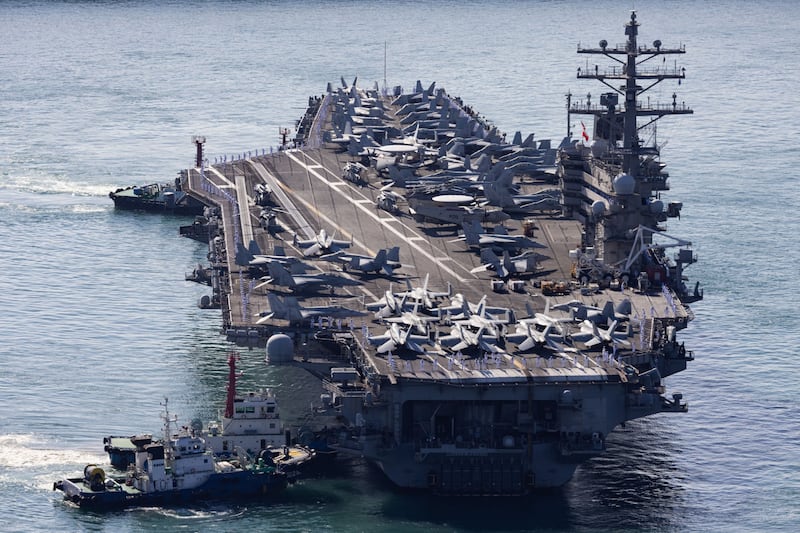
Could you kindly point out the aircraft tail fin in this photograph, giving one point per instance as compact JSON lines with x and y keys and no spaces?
{"x":280,"y":275}
{"x":380,"y":258}
{"x":528,"y":142}
{"x":243,"y":255}
{"x":489,"y":257}
{"x":253,"y":247}
{"x":393,"y":254}
{"x":472,"y":230}
{"x":276,"y":306}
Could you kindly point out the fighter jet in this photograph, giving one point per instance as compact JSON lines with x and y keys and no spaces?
{"x":398,"y":337}
{"x":483,"y":321}
{"x":423,"y":294}
{"x":386,"y":261}
{"x":289,"y":309}
{"x":253,"y":258}
{"x":460,"y":308}
{"x":462,"y":337}
{"x":305,"y":282}
{"x":413,"y":318}
{"x":528,"y":336}
{"x":499,"y":239}
{"x":591,"y":335}
{"x":582,"y":311}
{"x":321,"y":243}
{"x":544,"y":320}
{"x":521,"y":264}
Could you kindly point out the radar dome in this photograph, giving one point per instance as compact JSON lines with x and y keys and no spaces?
{"x":280,"y":349}
{"x":598,"y":208}
{"x":656,"y":206}
{"x":624,"y":184}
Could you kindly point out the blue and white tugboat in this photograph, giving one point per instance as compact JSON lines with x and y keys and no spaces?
{"x":251,"y":422}
{"x":180,"y":469}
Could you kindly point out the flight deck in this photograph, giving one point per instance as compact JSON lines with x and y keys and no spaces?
{"x":308,"y":193}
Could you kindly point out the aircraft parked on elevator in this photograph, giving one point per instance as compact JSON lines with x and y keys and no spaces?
{"x":304,"y":282}
{"x":289,"y":309}
{"x":253,"y":258}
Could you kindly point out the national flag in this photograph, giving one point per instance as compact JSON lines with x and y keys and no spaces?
{"x":583,"y":133}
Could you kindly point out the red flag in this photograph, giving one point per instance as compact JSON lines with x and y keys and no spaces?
{"x":583,"y":133}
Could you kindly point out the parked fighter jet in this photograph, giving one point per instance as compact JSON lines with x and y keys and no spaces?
{"x":499,"y":239}
{"x":321,"y":243}
{"x":386,"y":260}
{"x":460,"y":308}
{"x":591,"y":335}
{"x":582,"y":311}
{"x":388,"y":305}
{"x":253,"y":258}
{"x":398,"y":337}
{"x":301,"y":282}
{"x":413,"y":318}
{"x":528,"y":336}
{"x":521,"y":264}
{"x":289,"y":309}
{"x":462,"y":337}
{"x":483,"y":321}
{"x":423,"y":294}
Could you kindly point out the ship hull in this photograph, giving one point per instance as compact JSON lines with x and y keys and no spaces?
{"x":479,"y":472}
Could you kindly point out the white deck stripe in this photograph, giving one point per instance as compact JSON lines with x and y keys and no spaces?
{"x":371,"y":213}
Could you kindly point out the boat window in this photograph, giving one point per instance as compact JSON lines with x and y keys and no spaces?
{"x":271,"y":409}
{"x":250,"y":409}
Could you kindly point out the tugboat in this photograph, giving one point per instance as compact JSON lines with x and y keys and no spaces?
{"x":181,"y":469}
{"x":158,"y":197}
{"x":163,"y":197}
{"x":251,"y":423}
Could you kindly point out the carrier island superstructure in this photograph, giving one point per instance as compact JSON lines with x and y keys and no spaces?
{"x":460,"y":357}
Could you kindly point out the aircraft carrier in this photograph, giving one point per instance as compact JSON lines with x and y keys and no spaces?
{"x":484,"y":311}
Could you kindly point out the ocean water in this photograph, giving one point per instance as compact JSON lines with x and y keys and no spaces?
{"x":98,"y":324}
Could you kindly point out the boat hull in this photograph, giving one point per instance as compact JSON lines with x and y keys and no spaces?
{"x":163,"y":200}
{"x":238,"y":485}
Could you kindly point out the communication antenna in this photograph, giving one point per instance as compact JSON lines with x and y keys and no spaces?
{"x":384,"y":66}
{"x":284,"y":133}
{"x":199,"y":141}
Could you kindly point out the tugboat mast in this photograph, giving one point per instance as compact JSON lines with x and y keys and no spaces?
{"x":229,"y":400}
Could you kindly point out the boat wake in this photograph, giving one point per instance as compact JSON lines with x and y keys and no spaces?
{"x":26,"y":452}
{"x":50,"y":184}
